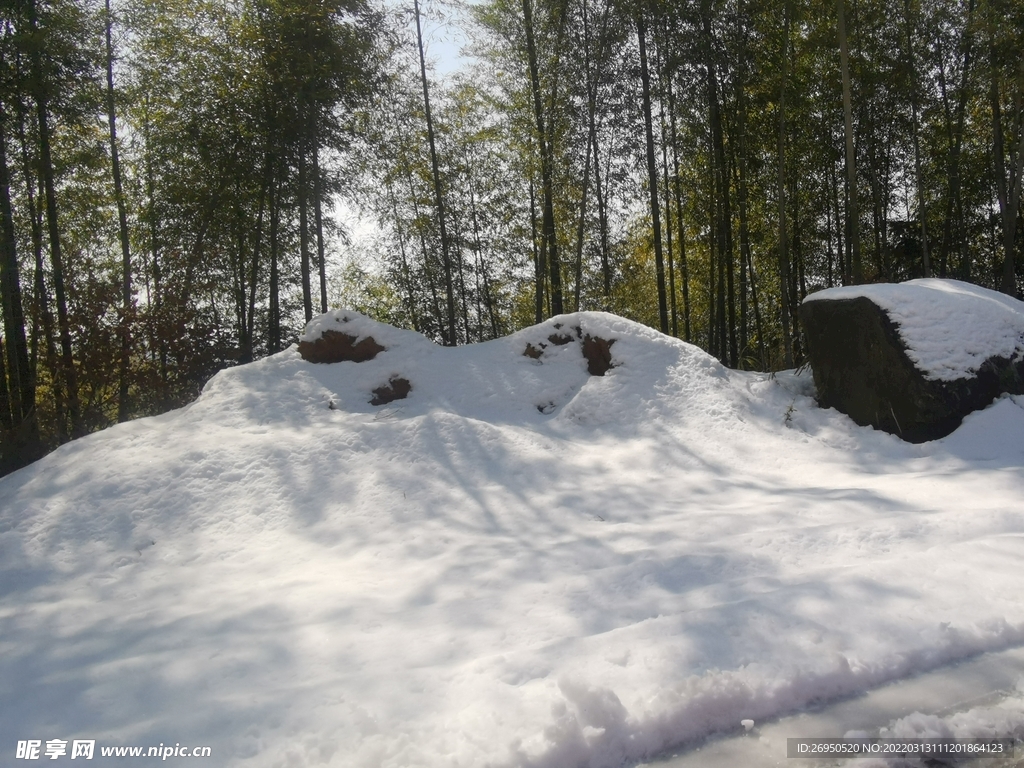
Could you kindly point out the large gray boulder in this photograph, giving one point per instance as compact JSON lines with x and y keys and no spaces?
{"x":913,"y":359}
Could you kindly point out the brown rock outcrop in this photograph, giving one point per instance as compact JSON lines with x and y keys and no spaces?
{"x":337,"y":347}
{"x":397,"y":388}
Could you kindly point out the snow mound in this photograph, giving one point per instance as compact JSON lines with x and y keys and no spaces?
{"x":949,"y":327}
{"x":493,"y":381}
{"x":518,"y":565}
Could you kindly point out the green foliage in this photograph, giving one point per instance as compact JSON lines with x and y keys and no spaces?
{"x":243,"y":121}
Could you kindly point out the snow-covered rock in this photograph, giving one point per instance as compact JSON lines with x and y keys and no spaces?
{"x":913,"y":358}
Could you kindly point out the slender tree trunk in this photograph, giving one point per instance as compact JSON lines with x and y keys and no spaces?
{"x":460,"y":273}
{"x":593,"y":79}
{"x":42,"y":314}
{"x":239,"y":277}
{"x":947,"y":219}
{"x":684,"y":271}
{"x":428,"y":270}
{"x":738,"y":156}
{"x":741,"y":182}
{"x":673,"y":310}
{"x":39,"y":302}
{"x":591,"y":109}
{"x":304,"y":267}
{"x":830,"y":265}
{"x":68,"y":372}
{"x":922,"y":210}
{"x":602,"y":222}
{"x":758,"y":328}
{"x":482,"y":264}
{"x":580,"y":229}
{"x":248,"y":352}
{"x":954,"y":199}
{"x":159,"y":338}
{"x":318,"y":218}
{"x":798,"y":286}
{"x":6,"y":420}
{"x":21,"y":396}
{"x":122,"y":220}
{"x":549,"y":242}
{"x":538,"y":258}
{"x":451,"y":338}
{"x":853,"y":211}
{"x":652,"y":174}
{"x":406,"y":275}
{"x":274,"y":318}
{"x":787,"y":342}
{"x":727,"y":351}
{"x":1008,"y":192}
{"x":745,"y":256}
{"x":713,"y":347}
{"x":842,"y":245}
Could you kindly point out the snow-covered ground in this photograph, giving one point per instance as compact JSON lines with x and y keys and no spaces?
{"x":519,"y":565}
{"x":979,"y":698}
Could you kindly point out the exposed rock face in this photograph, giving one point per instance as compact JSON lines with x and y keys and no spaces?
{"x":596,"y":350}
{"x":337,"y":347}
{"x":397,"y":388}
{"x":598,"y":353}
{"x":861,"y":367}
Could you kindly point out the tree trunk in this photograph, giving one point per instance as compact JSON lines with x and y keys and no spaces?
{"x":591,"y":137}
{"x":954,"y":135}
{"x":451,"y":338}
{"x":307,"y":287}
{"x":274,"y":319}
{"x":727,"y":350}
{"x":488,"y":298}
{"x":318,"y":218}
{"x":6,"y":421}
{"x":922,"y":210}
{"x":652,"y":174}
{"x":254,"y":274}
{"x":538,"y":258}
{"x":684,"y":271}
{"x":758,"y":328}
{"x":427,"y":268}
{"x":21,"y":396}
{"x":406,"y":275}
{"x":781,"y":187}
{"x":712,"y":253}
{"x":673,"y":309}
{"x":68,"y":372}
{"x":549,"y":243}
{"x":122,"y":220}
{"x":41,"y":309}
{"x":159,"y":342}
{"x":1008,"y":192}
{"x":602,"y":221}
{"x":853,"y":212}
{"x":580,"y":229}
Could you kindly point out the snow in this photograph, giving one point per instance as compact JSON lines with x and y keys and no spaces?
{"x":1001,"y":720}
{"x":990,"y":681}
{"x":1005,"y":719}
{"x":949,"y":327}
{"x":519,"y":565}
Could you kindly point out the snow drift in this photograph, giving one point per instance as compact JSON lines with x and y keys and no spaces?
{"x":519,"y":564}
